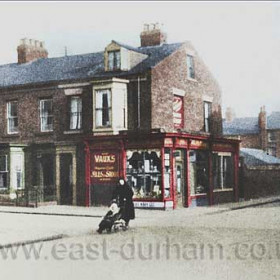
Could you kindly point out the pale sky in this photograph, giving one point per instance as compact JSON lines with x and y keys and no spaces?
{"x":239,"y":41}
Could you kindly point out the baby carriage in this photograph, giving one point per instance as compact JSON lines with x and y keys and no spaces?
{"x":112,"y":220}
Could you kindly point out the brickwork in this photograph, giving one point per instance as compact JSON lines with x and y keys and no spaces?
{"x":30,"y":50}
{"x":260,"y":182}
{"x":172,"y":73}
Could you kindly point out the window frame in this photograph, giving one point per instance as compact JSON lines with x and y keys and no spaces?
{"x":116,"y":62}
{"x":191,"y":67}
{"x":207,"y":119}
{"x":6,"y":171}
{"x":109,"y":108}
{"x":79,"y":112}
{"x":47,"y":115}
{"x":11,"y":118}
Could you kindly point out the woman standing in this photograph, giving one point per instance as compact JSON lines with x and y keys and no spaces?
{"x":123,"y":194}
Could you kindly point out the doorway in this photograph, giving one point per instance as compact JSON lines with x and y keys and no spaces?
{"x":66,"y":179}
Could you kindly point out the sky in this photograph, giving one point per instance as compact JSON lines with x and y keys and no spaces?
{"x":238,"y":41}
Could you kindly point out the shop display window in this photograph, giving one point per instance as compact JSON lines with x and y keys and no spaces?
{"x":223,"y":171}
{"x":167,"y":173}
{"x":199,"y":178}
{"x":143,"y":170}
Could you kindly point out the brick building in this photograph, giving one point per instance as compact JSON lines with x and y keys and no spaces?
{"x":262,"y":132}
{"x":75,"y":124}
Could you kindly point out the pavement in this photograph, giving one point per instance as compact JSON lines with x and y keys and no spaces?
{"x":159,"y":244}
{"x":24,"y":225}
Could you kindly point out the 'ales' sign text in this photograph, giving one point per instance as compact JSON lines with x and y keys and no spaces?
{"x":104,"y":167}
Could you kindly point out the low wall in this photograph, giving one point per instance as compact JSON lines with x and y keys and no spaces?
{"x":260,"y":181}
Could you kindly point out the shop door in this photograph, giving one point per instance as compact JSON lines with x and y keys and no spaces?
{"x":180,"y":178}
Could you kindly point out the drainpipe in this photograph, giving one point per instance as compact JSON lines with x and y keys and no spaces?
{"x":138,"y":104}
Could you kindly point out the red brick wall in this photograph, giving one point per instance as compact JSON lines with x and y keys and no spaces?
{"x":172,"y":73}
{"x":29,"y":115}
{"x":250,"y":141}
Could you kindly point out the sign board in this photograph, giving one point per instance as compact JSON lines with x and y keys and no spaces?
{"x":178,"y":109}
{"x":104,"y":167}
{"x":148,"y":204}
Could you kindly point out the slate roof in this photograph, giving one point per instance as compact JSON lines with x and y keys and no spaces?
{"x":241,"y":126}
{"x":273,"y":120}
{"x":255,"y":157}
{"x":77,"y":67}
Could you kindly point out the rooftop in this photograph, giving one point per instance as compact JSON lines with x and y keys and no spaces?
{"x":77,"y":67}
{"x":255,"y":157}
{"x":241,"y":126}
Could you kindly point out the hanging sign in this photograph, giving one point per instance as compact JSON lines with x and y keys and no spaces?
{"x":104,"y":167}
{"x":178,"y":110}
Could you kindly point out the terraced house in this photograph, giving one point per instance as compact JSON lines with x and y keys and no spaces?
{"x":72,"y":125}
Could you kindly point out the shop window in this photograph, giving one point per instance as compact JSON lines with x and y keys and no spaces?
{"x":114,"y":60}
{"x":190,"y":65}
{"x":3,"y":171}
{"x":12,"y":117}
{"x":167,"y":173}
{"x":144,"y":173}
{"x":223,"y":171}
{"x":207,"y":115}
{"x":103,"y":108}
{"x":46,"y":115}
{"x":76,"y":112}
{"x":199,"y":177}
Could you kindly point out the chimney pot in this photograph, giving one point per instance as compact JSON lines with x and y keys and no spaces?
{"x":30,"y":50}
{"x":152,"y":35}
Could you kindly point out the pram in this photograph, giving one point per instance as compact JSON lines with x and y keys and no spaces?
{"x":112,"y":220}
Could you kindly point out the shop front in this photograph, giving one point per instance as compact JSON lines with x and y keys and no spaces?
{"x":164,"y":170}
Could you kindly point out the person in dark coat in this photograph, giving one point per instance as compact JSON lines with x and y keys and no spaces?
{"x":123,"y":194}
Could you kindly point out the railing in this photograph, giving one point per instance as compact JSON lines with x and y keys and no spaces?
{"x":35,"y":195}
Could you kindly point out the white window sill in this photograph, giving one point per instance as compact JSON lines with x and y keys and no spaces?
{"x":73,"y":131}
{"x":192,"y":80}
{"x":223,"y":190}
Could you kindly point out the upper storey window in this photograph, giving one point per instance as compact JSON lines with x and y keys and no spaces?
{"x":46,"y":115}
{"x":12,"y":117}
{"x":103,"y":108}
{"x":76,"y":113}
{"x":190,"y":65}
{"x":114,"y":60}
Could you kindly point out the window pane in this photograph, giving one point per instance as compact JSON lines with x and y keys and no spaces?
{"x":103,"y":108}
{"x":223,"y":170}
{"x":144,"y":173}
{"x":12,"y":124}
{"x":76,"y":113}
{"x":190,"y":66}
{"x":199,"y":172}
{"x":3,"y":163}
{"x":46,"y":115}
{"x":111,"y":60}
{"x":117,"y":60}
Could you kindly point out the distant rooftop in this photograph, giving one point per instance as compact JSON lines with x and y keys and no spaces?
{"x":255,"y":157}
{"x":249,"y":125}
{"x":241,"y":126}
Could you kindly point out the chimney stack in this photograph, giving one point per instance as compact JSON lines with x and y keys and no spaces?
{"x":262,"y":126}
{"x":30,"y":50}
{"x":152,"y":35}
{"x":230,"y":114}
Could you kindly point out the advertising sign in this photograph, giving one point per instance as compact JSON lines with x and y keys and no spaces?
{"x":178,"y":109}
{"x":104,"y":167}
